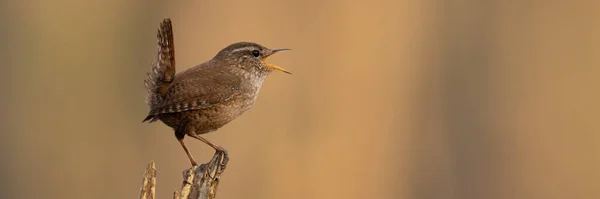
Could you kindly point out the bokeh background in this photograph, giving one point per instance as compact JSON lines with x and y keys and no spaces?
{"x":452,"y":99}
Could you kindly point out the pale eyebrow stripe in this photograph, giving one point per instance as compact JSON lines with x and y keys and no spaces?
{"x":242,"y":49}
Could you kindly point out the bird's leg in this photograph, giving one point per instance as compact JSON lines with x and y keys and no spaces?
{"x":218,"y":149}
{"x":187,"y":152}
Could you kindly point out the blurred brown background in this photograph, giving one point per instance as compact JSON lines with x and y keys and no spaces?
{"x":389,"y":99}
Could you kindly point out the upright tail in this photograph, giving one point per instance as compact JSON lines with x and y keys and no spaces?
{"x":163,"y":67}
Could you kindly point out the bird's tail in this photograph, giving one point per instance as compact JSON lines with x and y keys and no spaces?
{"x":163,"y":67}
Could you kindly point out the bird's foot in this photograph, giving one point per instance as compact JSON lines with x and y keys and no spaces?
{"x":193,"y":163}
{"x":220,"y":150}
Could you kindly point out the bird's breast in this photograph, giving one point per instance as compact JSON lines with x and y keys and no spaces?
{"x":228,"y":111}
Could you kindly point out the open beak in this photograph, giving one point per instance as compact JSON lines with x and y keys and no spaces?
{"x":271,"y":66}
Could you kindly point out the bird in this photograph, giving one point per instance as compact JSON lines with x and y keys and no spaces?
{"x":207,"y":96}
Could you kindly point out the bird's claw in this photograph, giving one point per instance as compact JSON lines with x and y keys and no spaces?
{"x":223,"y":151}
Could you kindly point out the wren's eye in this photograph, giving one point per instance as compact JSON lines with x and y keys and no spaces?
{"x":255,"y":53}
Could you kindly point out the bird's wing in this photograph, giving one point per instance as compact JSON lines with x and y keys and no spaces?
{"x":199,"y":88}
{"x":163,"y":67}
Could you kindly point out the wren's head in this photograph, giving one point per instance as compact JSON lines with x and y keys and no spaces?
{"x":249,"y":56}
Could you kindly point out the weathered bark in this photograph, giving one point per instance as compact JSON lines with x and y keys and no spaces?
{"x":148,"y":189}
{"x":199,"y":182}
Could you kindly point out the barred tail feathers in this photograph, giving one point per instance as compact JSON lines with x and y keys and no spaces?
{"x":162,"y":72}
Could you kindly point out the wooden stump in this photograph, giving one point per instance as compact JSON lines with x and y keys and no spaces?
{"x":199,"y":182}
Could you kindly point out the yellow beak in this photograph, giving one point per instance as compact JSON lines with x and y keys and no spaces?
{"x":271,"y":66}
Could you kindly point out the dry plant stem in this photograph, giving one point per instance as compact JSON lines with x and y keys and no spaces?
{"x":199,"y":182}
